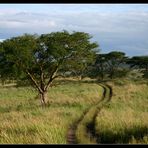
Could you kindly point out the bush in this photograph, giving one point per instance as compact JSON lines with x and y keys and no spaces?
{"x":120,"y":73}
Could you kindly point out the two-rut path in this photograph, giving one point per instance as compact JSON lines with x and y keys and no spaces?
{"x":75,"y":135}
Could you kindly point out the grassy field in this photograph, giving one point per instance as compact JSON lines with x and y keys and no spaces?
{"x":86,"y":126}
{"x":125,"y":118}
{"x":24,"y":121}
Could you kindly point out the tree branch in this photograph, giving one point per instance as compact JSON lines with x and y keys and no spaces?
{"x":42,"y":78}
{"x":58,"y":76}
{"x":34,"y":81}
{"x":52,"y":77}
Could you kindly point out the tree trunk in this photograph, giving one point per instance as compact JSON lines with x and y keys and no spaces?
{"x":102,"y":75}
{"x":44,"y":98}
{"x":80,"y":78}
{"x":112,"y":74}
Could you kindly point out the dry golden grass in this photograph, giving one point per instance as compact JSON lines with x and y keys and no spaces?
{"x":125,"y":119}
{"x":24,"y":121}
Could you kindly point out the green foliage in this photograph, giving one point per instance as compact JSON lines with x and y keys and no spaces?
{"x":41,"y":59}
{"x":140,"y":62}
{"x":114,"y":60}
{"x":125,"y":119}
{"x":99,"y":68}
{"x":121,"y":73}
{"x":109,"y":65}
{"x":24,"y":121}
{"x":145,"y":74}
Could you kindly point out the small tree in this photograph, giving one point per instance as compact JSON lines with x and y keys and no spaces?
{"x":114,"y":60}
{"x":79,"y":61}
{"x":99,"y":68}
{"x":111,"y":64}
{"x":140,"y":62}
{"x":41,"y":58}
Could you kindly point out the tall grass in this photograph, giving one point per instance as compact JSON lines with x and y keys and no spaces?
{"x":125,"y":119}
{"x":24,"y":121}
{"x":87,"y":123}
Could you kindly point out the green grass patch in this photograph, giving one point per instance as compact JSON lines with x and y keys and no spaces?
{"x":125,"y":118}
{"x":24,"y":121}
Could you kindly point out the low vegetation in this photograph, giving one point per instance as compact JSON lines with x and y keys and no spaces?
{"x":40,"y":100}
{"x":23,"y":120}
{"x":125,"y":118}
{"x":85,"y":129}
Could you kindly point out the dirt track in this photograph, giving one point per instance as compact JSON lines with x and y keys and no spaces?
{"x":71,"y":135}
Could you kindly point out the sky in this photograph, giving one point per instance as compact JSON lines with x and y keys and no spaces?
{"x":120,"y":27}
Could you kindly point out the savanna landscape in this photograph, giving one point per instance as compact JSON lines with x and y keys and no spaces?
{"x":60,"y":88}
{"x":103,"y":102}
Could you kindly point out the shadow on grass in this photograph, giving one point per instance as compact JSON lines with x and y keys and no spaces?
{"x":124,"y":136}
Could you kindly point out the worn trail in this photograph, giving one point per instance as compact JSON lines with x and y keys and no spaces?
{"x":90,"y":127}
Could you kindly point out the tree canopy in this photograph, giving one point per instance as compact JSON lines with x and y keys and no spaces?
{"x":140,"y":62}
{"x":42,"y":58}
{"x":109,"y":64}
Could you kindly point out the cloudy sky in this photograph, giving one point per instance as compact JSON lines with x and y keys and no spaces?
{"x":122,"y":27}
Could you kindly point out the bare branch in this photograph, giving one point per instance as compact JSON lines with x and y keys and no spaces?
{"x":34,"y":81}
{"x":58,"y":76}
{"x":42,"y":78}
{"x":52,"y":77}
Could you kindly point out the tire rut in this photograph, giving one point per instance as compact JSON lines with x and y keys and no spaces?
{"x":71,"y":135}
{"x":91,"y":126}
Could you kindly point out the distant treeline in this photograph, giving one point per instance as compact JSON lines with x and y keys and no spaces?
{"x":40,"y":59}
{"x":117,"y":64}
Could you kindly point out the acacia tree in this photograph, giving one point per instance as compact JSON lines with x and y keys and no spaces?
{"x":99,"y":68}
{"x":114,"y":60}
{"x":41,"y":58}
{"x":140,"y":62}
{"x":79,"y":60}
{"x":80,"y":68}
{"x":111,"y":64}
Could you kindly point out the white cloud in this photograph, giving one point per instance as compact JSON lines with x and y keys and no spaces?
{"x":104,"y":22}
{"x":111,"y":29}
{"x":24,"y":20}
